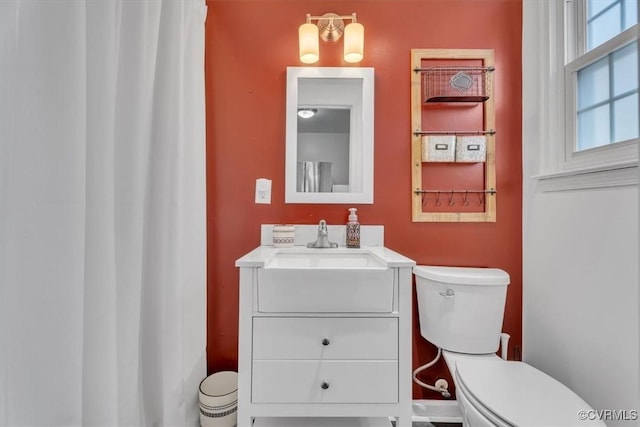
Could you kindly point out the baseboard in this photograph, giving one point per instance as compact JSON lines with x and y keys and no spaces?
{"x":436,"y":411}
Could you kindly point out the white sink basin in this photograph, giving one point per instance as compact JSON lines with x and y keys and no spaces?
{"x":325,"y":258}
{"x":325,"y":280}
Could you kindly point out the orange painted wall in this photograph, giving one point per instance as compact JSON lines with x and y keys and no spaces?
{"x":249,"y":44}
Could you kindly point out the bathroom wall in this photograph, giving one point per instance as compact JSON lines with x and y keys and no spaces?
{"x":581,"y":314}
{"x":581,"y":311}
{"x":249,"y":44}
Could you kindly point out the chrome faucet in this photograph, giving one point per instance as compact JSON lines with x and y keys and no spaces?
{"x":323,"y":237}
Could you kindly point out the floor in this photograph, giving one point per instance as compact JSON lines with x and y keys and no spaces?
{"x":424,"y":424}
{"x":318,"y":422}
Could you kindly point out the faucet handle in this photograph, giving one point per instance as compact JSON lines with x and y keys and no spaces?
{"x":323,"y":237}
{"x":322,"y":228}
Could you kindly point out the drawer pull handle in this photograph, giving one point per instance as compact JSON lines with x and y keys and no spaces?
{"x":324,"y":385}
{"x":326,"y":341}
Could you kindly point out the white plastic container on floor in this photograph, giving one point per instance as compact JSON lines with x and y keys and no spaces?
{"x":218,"y":395}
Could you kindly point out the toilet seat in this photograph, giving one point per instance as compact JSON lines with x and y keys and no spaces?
{"x":516,"y":394}
{"x":473,"y":412}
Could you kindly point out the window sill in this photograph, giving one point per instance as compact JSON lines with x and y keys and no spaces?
{"x":618,"y":175}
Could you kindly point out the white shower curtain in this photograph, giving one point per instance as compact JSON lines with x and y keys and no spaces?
{"x":102,"y":212}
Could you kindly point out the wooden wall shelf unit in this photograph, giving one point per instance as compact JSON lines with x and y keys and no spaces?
{"x":452,"y":85}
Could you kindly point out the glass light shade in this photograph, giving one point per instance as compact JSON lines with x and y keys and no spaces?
{"x":307,"y":113}
{"x":353,"y":42}
{"x":308,"y":39}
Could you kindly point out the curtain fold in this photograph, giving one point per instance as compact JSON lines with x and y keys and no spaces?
{"x":102,"y":204}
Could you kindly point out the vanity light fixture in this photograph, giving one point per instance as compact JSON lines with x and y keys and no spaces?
{"x":307,"y":113}
{"x":330,"y":28}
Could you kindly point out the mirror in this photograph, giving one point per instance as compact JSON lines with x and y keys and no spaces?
{"x":329,"y":145}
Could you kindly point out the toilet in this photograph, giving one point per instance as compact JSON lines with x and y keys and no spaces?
{"x":461,"y":311}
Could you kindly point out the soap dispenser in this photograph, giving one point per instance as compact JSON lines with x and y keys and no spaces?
{"x":353,"y":230}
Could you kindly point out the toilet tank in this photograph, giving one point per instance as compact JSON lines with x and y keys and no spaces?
{"x":461,"y":309}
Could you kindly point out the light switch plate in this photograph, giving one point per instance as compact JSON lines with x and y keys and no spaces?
{"x":263,"y":191}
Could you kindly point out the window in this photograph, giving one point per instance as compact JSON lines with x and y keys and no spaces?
{"x":608,"y":99}
{"x":601,"y":82}
{"x":605,"y":19}
{"x":580,"y":93}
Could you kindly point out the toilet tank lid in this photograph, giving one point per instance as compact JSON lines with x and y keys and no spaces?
{"x":463,"y":275}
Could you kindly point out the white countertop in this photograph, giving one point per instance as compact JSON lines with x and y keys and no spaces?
{"x":262,"y":254}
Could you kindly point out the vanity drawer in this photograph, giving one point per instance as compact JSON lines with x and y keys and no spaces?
{"x":365,"y":290}
{"x":325,"y":338}
{"x":312,"y":381}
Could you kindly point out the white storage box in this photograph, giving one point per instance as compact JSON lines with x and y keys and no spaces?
{"x":471,"y":149}
{"x":283,"y":235}
{"x":438,"y":148}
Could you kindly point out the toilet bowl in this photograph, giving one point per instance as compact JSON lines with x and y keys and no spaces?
{"x":461,"y":311}
{"x":494,"y":392}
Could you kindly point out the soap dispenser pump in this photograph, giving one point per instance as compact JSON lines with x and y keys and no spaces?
{"x":353,"y":230}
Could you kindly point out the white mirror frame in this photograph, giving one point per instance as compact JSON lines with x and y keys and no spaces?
{"x":360,"y":138}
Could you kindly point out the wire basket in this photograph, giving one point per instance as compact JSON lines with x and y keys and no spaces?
{"x":456,"y":84}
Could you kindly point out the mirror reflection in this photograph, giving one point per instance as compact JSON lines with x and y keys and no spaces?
{"x":323,"y":149}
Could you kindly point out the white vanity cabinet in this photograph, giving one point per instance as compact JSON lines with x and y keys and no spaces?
{"x":324,"y":360}
{"x":331,"y":362}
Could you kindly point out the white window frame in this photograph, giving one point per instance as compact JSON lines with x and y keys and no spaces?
{"x":560,"y":167}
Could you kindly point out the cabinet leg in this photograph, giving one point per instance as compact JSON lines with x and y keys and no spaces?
{"x":403,"y":421}
{"x":244,"y":421}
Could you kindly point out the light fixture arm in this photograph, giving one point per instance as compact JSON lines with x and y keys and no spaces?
{"x":330,"y":25}
{"x":310,"y":18}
